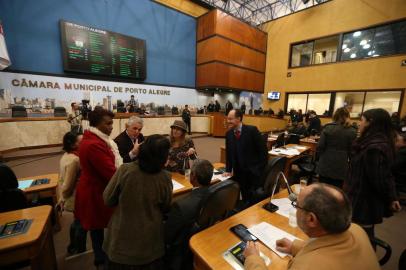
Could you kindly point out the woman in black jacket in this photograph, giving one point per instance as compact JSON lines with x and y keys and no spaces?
{"x":334,"y":149}
{"x":370,"y":185}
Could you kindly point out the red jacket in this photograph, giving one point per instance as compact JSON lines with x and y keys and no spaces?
{"x":97,"y":168}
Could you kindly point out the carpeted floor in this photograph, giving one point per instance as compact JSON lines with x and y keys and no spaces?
{"x":392,"y":230}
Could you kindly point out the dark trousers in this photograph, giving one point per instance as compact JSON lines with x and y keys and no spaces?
{"x":97,"y":237}
{"x":189,"y":128}
{"x":77,"y":238}
{"x":334,"y":182}
{"x":246,"y":181}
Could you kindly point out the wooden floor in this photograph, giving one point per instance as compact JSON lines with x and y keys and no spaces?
{"x":392,"y":230}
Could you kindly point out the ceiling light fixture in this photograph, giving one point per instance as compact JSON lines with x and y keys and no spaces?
{"x":366,"y":46}
{"x":353,"y":55}
{"x":363,"y":42}
{"x":347,"y":50}
{"x":344,"y":46}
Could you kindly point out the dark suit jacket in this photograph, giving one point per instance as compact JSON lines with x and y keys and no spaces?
{"x":125,"y":145}
{"x":178,"y":227}
{"x":254,"y":154}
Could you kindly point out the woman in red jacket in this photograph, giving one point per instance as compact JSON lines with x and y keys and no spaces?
{"x":99,"y":158}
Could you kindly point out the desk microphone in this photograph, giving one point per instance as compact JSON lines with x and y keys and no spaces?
{"x":292,"y":196}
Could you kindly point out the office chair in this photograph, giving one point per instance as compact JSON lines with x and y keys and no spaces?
{"x":307,"y":165}
{"x":293,"y":139}
{"x":60,"y":112}
{"x":274,"y":166}
{"x":388,"y":250}
{"x":402,"y":260}
{"x":220,"y":202}
{"x":18,"y":111}
{"x":280,"y":141}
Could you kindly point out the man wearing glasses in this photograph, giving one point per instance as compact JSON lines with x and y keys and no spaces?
{"x":323,"y":214}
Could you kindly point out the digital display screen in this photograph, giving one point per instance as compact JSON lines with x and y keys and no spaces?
{"x":274,"y":95}
{"x":100,"y":52}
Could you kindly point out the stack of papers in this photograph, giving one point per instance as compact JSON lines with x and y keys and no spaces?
{"x":176,"y":185}
{"x":268,"y":235}
{"x":287,"y":152}
{"x":219,"y":177}
{"x":23,"y":184}
{"x":284,"y":205}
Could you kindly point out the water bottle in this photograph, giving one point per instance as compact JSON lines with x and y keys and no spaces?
{"x":292,"y":218}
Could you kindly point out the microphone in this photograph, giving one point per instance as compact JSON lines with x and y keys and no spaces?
{"x":292,"y":196}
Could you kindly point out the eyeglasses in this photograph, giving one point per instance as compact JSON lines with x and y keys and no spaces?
{"x":294,"y":204}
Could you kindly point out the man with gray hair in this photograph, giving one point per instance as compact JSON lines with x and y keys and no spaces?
{"x":183,"y":215}
{"x":324,"y":214}
{"x":129,"y":140}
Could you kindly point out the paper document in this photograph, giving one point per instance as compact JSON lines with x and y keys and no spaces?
{"x":284,"y":205}
{"x":300,"y":147}
{"x":219,"y":177}
{"x":176,"y":185}
{"x":287,"y":152}
{"x":268,"y":235}
{"x":23,"y":184}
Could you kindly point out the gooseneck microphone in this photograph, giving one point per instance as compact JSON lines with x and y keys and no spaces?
{"x":292,"y":196}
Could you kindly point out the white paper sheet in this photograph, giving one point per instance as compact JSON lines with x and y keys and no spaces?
{"x":268,"y":235}
{"x":284,"y":205}
{"x":23,"y":184}
{"x":219,"y":177}
{"x":176,"y":185}
{"x":287,"y":152}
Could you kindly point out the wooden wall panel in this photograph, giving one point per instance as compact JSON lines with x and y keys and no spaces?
{"x":223,"y":75}
{"x":220,"y":49}
{"x":206,"y":25}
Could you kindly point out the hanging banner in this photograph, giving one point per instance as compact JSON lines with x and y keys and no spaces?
{"x":40,"y":94}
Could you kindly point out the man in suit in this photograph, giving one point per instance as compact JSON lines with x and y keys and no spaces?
{"x":129,"y":140}
{"x":186,"y":118}
{"x":246,"y":155}
{"x":323,"y":214}
{"x":229,"y":107}
{"x":183,"y":215}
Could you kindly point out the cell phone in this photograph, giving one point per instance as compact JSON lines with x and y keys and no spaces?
{"x":242,"y":232}
{"x":238,"y":252}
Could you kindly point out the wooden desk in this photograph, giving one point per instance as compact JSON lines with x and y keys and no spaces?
{"x":209,"y":245}
{"x":310,"y":142}
{"x":36,"y":245}
{"x":181,"y":179}
{"x":49,"y":190}
{"x":291,"y":159}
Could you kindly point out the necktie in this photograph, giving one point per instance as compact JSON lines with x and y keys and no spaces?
{"x":237,"y":134}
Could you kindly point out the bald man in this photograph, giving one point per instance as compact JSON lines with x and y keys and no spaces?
{"x":323,"y":214}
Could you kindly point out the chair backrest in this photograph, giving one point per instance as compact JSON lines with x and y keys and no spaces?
{"x":12,"y":199}
{"x":18,"y":111}
{"x":221,"y":200}
{"x":280,"y":141}
{"x":275,"y":165}
{"x":293,"y":139}
{"x":60,"y":112}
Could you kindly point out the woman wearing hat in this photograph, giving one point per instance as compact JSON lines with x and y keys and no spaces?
{"x":182,"y":148}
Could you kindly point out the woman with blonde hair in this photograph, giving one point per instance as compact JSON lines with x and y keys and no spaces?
{"x":182,"y":148}
{"x":334,"y":148}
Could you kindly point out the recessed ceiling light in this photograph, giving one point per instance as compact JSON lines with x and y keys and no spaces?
{"x":366,"y":46}
{"x":363,"y":42}
{"x":370,"y":53}
{"x":357,"y":34}
{"x":353,"y":55}
{"x":346,"y":50}
{"x":344,"y":46}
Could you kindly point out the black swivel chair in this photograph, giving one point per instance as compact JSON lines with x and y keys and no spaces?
{"x":293,"y":139}
{"x":280,"y":140}
{"x":60,"y":112}
{"x":274,"y":166}
{"x":18,"y":111}
{"x":388,"y":250}
{"x":220,"y":202}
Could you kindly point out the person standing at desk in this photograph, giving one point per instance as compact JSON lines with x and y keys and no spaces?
{"x":186,"y":118}
{"x":75,"y":119}
{"x":129,"y":140}
{"x":229,"y":107}
{"x":246,"y":155}
{"x":314,"y":126}
{"x":99,"y":158}
{"x":334,"y":148}
{"x":217,"y":106}
{"x":324,"y":214}
{"x":69,"y":171}
{"x":141,"y":191}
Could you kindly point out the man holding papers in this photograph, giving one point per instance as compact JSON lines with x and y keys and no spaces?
{"x":324,"y":214}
